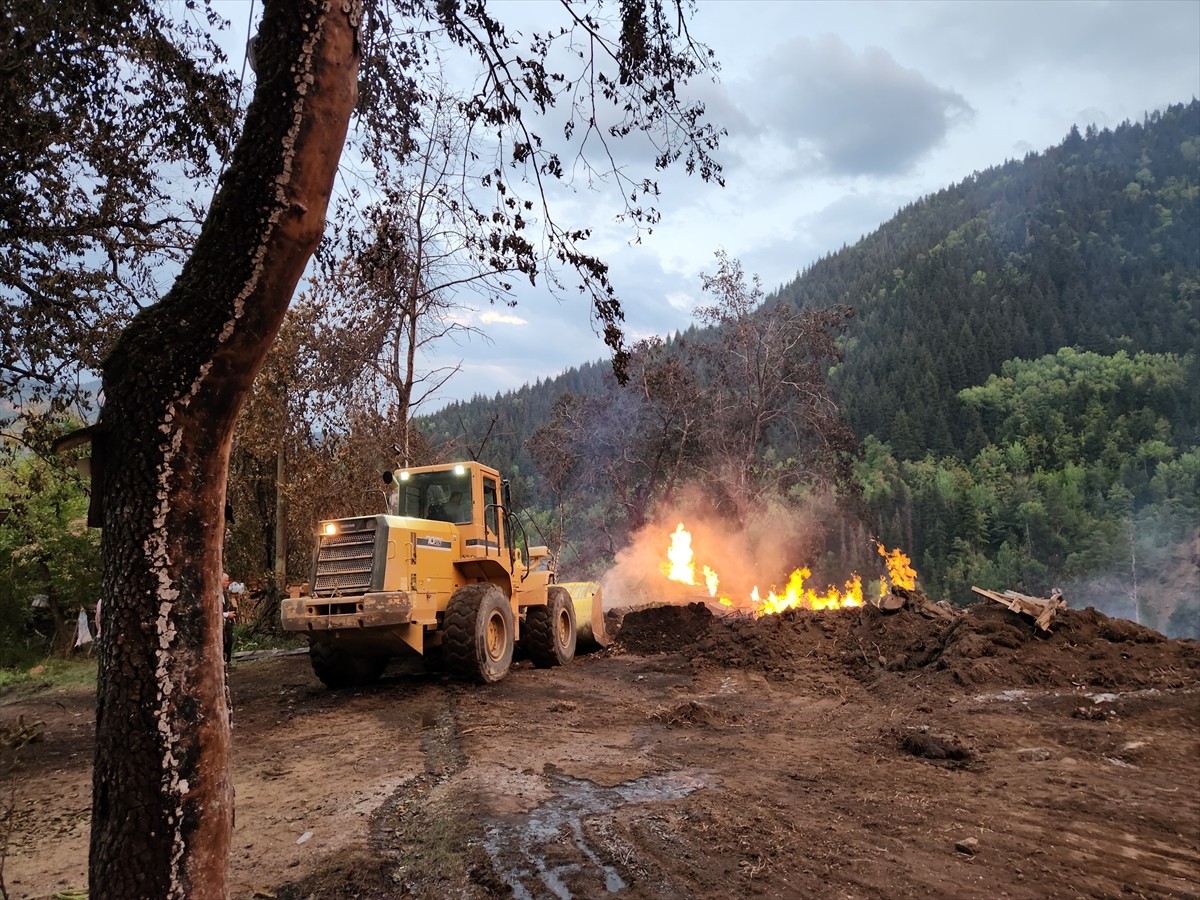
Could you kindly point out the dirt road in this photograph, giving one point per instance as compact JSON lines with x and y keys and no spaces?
{"x":834,"y":754}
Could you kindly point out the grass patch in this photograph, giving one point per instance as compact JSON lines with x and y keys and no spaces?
{"x":437,"y":854}
{"x":283,"y":640}
{"x":28,"y":674}
{"x":53,"y":673}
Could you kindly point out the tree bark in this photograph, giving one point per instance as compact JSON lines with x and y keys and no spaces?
{"x":162,"y":807}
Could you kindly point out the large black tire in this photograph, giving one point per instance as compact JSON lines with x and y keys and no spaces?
{"x":550,"y":630}
{"x":339,"y":668}
{"x":477,"y":641}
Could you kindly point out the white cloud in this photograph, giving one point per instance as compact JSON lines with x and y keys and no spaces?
{"x":858,"y":113}
{"x":681,"y":301}
{"x":491,"y":317}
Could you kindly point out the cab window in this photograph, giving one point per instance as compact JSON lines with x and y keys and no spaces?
{"x":491,"y":497}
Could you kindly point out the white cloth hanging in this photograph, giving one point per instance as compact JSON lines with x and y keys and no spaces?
{"x":83,"y":634}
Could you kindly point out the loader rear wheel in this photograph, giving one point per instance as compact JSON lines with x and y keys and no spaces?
{"x":477,"y":638}
{"x":340,"y":668}
{"x":550,"y":630}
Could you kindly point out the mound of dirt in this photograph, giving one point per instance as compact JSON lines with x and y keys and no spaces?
{"x":933,"y":746}
{"x":990,"y":645}
{"x":984,"y":644}
{"x":661,"y":629}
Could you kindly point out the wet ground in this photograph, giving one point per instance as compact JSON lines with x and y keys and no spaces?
{"x":836,"y":754}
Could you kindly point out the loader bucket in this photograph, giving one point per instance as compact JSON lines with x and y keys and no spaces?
{"x":590,"y":633}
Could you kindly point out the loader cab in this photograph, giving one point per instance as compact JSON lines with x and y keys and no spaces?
{"x":468,"y":495}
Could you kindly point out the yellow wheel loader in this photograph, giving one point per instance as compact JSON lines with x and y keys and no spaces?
{"x":440,"y":573}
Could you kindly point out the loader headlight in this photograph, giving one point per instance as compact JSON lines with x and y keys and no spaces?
{"x":460,"y":470}
{"x":329,"y":529}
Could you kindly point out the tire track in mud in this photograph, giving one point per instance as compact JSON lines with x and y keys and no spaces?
{"x":422,"y":832}
{"x":441,"y":742}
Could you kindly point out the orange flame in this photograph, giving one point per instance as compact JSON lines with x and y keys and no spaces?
{"x":900,"y":570}
{"x":797,"y":596}
{"x":681,"y":567}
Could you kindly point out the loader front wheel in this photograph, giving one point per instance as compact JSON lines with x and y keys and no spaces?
{"x":478,"y":633}
{"x":339,"y":668}
{"x":549,"y":637}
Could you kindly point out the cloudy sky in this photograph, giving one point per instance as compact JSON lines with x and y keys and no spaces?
{"x":839,"y":114}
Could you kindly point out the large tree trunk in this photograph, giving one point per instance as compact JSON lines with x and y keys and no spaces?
{"x":162,"y":808}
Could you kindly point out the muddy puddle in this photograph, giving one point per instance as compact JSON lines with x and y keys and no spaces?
{"x":527,"y":850}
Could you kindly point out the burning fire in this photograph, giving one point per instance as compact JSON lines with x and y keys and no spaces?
{"x":681,"y":567}
{"x":900,"y":571}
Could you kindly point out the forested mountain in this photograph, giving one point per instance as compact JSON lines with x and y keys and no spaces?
{"x":1021,"y":370}
{"x":1093,"y":244}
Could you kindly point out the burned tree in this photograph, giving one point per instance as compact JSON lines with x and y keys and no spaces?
{"x":765,"y":386}
{"x":173,"y":386}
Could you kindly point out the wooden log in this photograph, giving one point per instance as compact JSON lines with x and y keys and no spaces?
{"x":1041,"y":609}
{"x":932,"y":610}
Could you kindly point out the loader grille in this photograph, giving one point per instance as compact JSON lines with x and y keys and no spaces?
{"x":345,"y":561}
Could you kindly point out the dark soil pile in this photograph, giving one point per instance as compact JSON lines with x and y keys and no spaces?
{"x":984,"y":644}
{"x":990,"y":645}
{"x":661,"y":629}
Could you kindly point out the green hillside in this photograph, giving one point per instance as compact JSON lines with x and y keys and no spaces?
{"x":1094,"y":244}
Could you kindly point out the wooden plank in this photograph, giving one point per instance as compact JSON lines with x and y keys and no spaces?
{"x":1041,"y":609}
{"x":991,"y":595}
